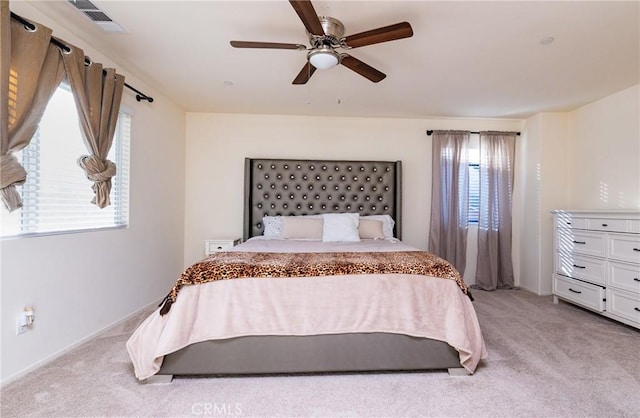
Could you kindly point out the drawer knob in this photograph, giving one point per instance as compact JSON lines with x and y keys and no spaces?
{"x":635,"y":279}
{"x":219,"y":247}
{"x":568,"y":223}
{"x":637,"y":309}
{"x":584,"y":242}
{"x":579,"y":267}
{"x":636,"y":249}
{"x":574,"y":291}
{"x":605,"y":225}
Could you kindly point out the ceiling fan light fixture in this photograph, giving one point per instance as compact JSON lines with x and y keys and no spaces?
{"x":324,"y":58}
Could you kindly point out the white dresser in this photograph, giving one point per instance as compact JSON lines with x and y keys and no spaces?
{"x":597,"y":262}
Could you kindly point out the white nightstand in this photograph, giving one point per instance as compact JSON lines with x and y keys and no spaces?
{"x":216,"y":245}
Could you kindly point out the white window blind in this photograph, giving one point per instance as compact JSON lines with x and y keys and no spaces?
{"x":474,"y":178}
{"x":57,"y":194}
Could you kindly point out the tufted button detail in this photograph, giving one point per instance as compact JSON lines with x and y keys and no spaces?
{"x":329,"y":197}
{"x":311,"y":206}
{"x":259,"y":205}
{"x":259,"y":186}
{"x":273,"y":186}
{"x":286,"y":166}
{"x":285,"y":187}
{"x":374,"y":169}
{"x":298,"y":187}
{"x":324,"y":206}
{"x":311,"y":167}
{"x":266,"y":196}
{"x":284,"y":205}
{"x":324,"y":187}
{"x":304,"y":177}
{"x":273,"y":206}
{"x":348,"y":207}
{"x":336,"y":168}
{"x":310,"y":187}
{"x":266,"y":176}
{"x":260,"y":166}
{"x":318,"y":178}
{"x":343,"y":178}
{"x":330,"y":178}
{"x":298,"y":206}
{"x":342,"y":197}
{"x":273,"y":167}
{"x":361,"y":168}
{"x":298,"y":167}
{"x":324,"y":167}
{"x":336,"y":207}
{"x":291,"y":196}
{"x":304,"y":197}
{"x":349,"y":168}
{"x":360,"y":208}
{"x":367,"y":198}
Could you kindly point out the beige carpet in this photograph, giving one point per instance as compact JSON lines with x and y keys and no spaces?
{"x":545,"y":360}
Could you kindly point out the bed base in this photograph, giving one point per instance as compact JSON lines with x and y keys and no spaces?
{"x":334,"y":353}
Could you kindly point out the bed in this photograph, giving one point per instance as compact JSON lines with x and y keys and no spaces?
{"x":361,"y":320}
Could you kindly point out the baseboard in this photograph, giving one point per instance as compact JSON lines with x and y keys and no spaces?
{"x":78,"y":343}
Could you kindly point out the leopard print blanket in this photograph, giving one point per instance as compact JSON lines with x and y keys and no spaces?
{"x":237,"y":265}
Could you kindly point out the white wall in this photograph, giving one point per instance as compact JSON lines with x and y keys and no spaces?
{"x":82,"y":283}
{"x":218,"y":143}
{"x":544,"y":170}
{"x":585,"y":159}
{"x":604,"y":161}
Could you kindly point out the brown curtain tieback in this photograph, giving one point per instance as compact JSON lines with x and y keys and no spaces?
{"x":96,"y":169}
{"x":11,"y":172}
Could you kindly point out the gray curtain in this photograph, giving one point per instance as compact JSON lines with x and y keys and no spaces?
{"x":495,"y":268}
{"x":97,"y":93}
{"x":450,"y":197}
{"x":31,"y":69}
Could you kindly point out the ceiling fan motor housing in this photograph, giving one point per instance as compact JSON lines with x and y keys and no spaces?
{"x":333,"y":32}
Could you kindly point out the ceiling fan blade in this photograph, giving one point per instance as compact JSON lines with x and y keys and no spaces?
{"x":308,"y":15}
{"x":305,"y":74}
{"x":268,"y":45}
{"x":384,"y":34}
{"x":361,"y":68}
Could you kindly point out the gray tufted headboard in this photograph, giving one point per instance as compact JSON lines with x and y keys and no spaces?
{"x":307,"y":187}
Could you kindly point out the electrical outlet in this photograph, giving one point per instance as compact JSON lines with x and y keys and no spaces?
{"x":21,"y":325}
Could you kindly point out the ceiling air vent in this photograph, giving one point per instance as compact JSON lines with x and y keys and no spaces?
{"x":97,"y":16}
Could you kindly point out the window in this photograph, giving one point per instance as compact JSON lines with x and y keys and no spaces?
{"x":57,"y":195}
{"x":474,"y":178}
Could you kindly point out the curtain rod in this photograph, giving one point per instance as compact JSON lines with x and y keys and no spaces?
{"x":139,"y":96}
{"x":429,"y":132}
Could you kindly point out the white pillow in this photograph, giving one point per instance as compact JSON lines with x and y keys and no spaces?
{"x":272,"y":226}
{"x":340,"y":227}
{"x":387,"y":224}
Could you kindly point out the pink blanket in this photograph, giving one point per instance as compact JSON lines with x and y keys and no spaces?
{"x":394,"y":303}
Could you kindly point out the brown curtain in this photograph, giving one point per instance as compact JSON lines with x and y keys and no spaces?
{"x":31,"y":69}
{"x":495,"y":268}
{"x":97,"y":94}
{"x":450,"y":197}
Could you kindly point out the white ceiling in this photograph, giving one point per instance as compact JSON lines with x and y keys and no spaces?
{"x":466,"y":59}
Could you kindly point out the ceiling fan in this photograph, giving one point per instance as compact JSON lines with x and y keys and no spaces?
{"x":325,"y":36}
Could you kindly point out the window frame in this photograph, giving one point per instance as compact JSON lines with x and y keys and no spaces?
{"x":121,"y":215}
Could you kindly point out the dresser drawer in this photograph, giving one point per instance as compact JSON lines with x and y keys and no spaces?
{"x":581,"y":267}
{"x":568,"y":221}
{"x":624,"y":248}
{"x":585,"y":294}
{"x":581,"y":242}
{"x":624,"y":276}
{"x":624,"y":304}
{"x":615,"y":225}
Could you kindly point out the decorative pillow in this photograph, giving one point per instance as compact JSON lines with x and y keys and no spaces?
{"x":340,"y":227}
{"x":301,"y":227}
{"x":387,"y":224}
{"x":272,"y":226}
{"x":370,"y":229}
